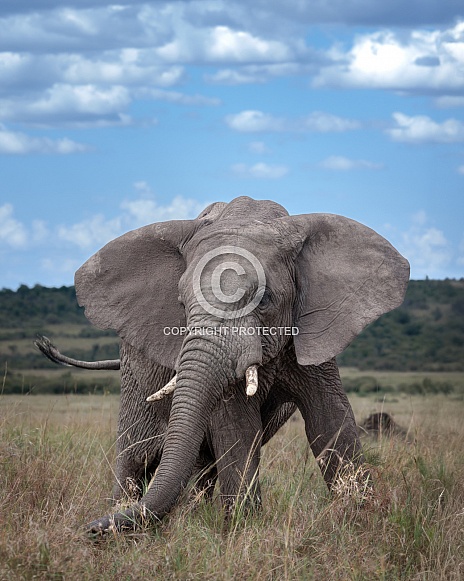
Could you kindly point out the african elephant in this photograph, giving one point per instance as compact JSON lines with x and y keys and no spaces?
{"x":243,"y":289}
{"x":142,"y":426}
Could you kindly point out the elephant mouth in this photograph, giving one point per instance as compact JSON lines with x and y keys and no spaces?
{"x":251,"y":378}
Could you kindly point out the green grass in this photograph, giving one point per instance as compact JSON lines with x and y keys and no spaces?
{"x":56,"y":457}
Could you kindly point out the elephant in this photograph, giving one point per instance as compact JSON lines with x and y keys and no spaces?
{"x":245,"y":299}
{"x":142,"y":426}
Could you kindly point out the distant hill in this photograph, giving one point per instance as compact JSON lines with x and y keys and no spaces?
{"x":38,"y":306}
{"x":425,"y":334}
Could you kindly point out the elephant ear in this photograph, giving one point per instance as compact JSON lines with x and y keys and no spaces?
{"x":131,"y":286}
{"x":347,"y":276}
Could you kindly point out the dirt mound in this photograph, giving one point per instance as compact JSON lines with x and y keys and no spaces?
{"x":381,"y":423}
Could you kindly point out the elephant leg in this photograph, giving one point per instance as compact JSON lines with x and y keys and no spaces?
{"x":141,"y":425}
{"x":132,"y":477}
{"x":204,"y":474}
{"x":329,"y":420}
{"x":236,"y":433}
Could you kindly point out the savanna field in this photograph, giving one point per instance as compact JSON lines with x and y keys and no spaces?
{"x":57,"y":451}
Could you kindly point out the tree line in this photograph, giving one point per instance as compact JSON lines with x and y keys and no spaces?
{"x":425,"y":334}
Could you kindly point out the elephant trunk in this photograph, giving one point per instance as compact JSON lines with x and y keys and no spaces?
{"x":201,"y":382}
{"x":207,"y":366}
{"x":198,"y":389}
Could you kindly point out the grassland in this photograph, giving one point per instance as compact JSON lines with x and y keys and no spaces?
{"x":56,"y":457}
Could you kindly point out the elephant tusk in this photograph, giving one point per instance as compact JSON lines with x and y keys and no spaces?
{"x":251,"y":376}
{"x":167,"y":389}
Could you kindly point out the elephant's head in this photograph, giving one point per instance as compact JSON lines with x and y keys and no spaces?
{"x":247,"y":280}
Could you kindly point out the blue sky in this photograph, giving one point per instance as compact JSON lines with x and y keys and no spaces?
{"x":117,"y":115}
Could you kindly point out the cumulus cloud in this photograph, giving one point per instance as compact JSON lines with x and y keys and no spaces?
{"x":95,"y":231}
{"x":12,"y":232}
{"x":421,"y":60}
{"x":88,"y":62}
{"x":422,"y":129}
{"x":222,"y":44}
{"x":261,"y":73}
{"x":260,"y":171}
{"x":148,"y":210}
{"x":284,"y":11}
{"x":98,"y":230}
{"x":340,"y":163}
{"x":253,"y":121}
{"x":14,"y":143}
{"x":426,"y":247}
{"x":70,"y":105}
{"x":179,"y":98}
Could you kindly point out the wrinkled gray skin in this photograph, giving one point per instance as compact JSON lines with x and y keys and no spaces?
{"x":142,"y":426}
{"x":326,"y":275}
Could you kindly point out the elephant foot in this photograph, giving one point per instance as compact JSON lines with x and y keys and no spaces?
{"x":131,"y":519}
{"x":238,"y":506}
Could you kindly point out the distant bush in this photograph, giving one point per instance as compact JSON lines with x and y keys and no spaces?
{"x":364,"y":385}
{"x":426,"y":333}
{"x":427,"y":387}
{"x":16,"y":383}
{"x":367,"y":384}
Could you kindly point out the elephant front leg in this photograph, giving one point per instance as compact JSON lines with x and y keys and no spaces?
{"x":204,"y":474}
{"x":329,"y":421}
{"x":236,"y":433}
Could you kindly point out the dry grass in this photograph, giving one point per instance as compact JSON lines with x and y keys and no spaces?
{"x":55,"y":470}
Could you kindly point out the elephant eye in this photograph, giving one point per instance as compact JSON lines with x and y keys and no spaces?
{"x":265,"y":301}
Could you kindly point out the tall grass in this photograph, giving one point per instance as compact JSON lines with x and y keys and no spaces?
{"x":56,"y":459}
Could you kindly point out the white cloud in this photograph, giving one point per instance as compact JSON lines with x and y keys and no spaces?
{"x":260,"y":171}
{"x":86,"y":66}
{"x":70,"y":105}
{"x":258,"y":147}
{"x":61,"y":265}
{"x":14,"y":143}
{"x":12,"y":232}
{"x":261,"y":73}
{"x":449,"y":101}
{"x":221,"y":44}
{"x":92,"y":232}
{"x":253,"y":121}
{"x":237,"y":76}
{"x":148,"y":210}
{"x":98,"y":230}
{"x":421,"y":60}
{"x":461,"y":169}
{"x":179,"y":98}
{"x":326,"y":123}
{"x":422,"y":129}
{"x":340,"y":163}
{"x":426,"y":248}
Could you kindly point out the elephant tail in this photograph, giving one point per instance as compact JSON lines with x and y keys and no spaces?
{"x":51,"y":352}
